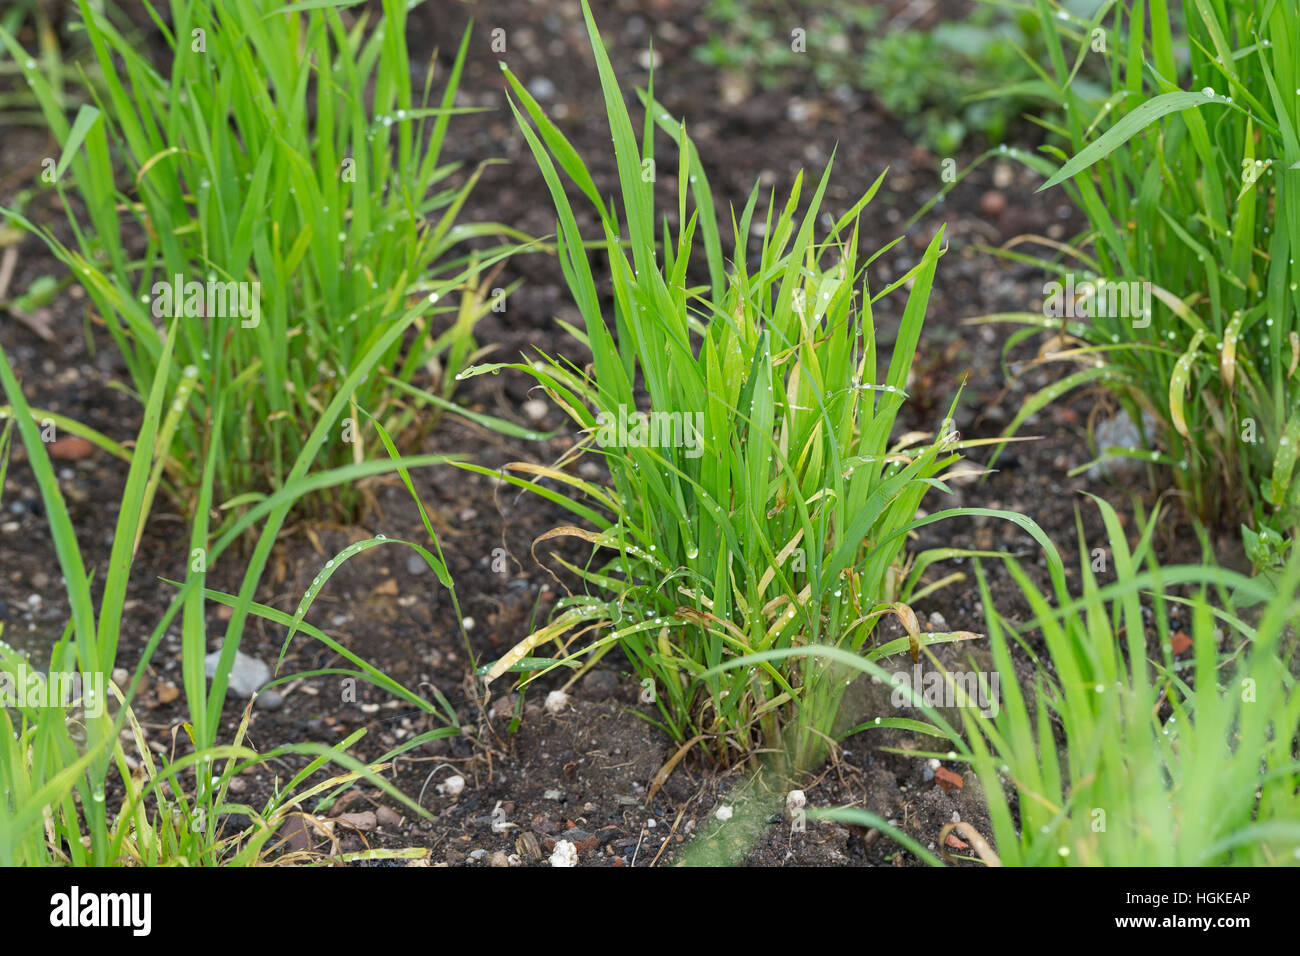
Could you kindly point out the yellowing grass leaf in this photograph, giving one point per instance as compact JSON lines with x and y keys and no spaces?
{"x":1178,"y":384}
{"x":1228,"y":357}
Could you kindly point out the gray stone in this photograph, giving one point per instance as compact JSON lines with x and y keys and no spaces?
{"x":541,"y":88}
{"x":247,"y":674}
{"x":599,"y":685}
{"x":1119,"y":431}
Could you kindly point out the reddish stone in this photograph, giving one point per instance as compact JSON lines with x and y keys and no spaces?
{"x":993,"y":204}
{"x":71,"y":448}
{"x":947,"y":779}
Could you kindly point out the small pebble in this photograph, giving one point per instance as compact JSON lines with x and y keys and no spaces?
{"x":600,"y":685}
{"x":541,"y":88}
{"x":71,"y":448}
{"x":993,"y":204}
{"x":247,"y":673}
{"x":564,"y":854}
{"x":363,"y":821}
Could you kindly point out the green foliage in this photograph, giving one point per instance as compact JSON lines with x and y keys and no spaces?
{"x":281,"y":162}
{"x":56,"y":762}
{"x":847,"y":44}
{"x":1119,"y":759}
{"x":756,"y":40}
{"x":944,"y":106}
{"x":1189,"y":174}
{"x":773,"y":514}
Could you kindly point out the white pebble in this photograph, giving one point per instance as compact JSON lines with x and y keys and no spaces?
{"x":556,"y":701}
{"x":564,"y":854}
{"x":452,"y":786}
{"x":723,"y":813}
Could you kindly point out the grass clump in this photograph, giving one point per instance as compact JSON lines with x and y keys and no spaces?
{"x":1183,"y":295}
{"x":285,"y":195}
{"x":760,"y":500}
{"x":57,"y":763}
{"x":1125,"y":754}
